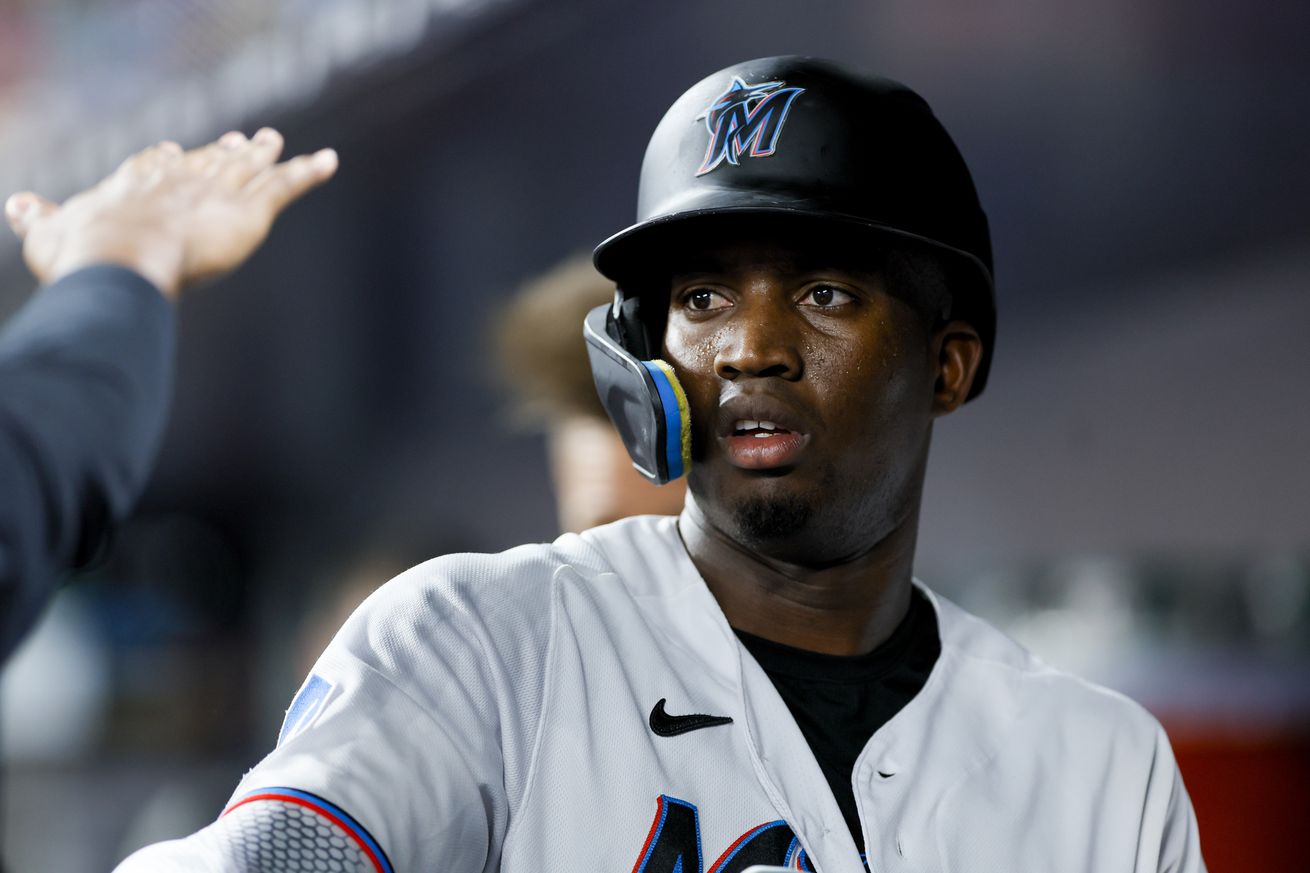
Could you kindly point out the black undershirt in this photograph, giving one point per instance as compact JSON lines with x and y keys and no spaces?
{"x":839,"y":701}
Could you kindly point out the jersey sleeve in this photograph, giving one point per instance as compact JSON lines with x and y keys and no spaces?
{"x":413,"y":733}
{"x":415,"y":781}
{"x":268,"y":835}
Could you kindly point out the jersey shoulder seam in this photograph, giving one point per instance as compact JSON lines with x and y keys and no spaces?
{"x":547,"y":687}
{"x":1034,"y":669}
{"x":397,"y":687}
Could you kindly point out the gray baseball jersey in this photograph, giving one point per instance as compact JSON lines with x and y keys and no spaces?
{"x":585,"y":705}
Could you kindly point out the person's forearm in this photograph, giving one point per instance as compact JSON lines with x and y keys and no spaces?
{"x":85,"y":376}
{"x":85,"y":367}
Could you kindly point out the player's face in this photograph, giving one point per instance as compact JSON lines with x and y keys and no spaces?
{"x":812,"y":396}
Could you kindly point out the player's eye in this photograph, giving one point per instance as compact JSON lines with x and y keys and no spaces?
{"x":826,"y":296}
{"x":704,"y":299}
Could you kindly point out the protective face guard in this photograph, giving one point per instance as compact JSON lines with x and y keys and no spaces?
{"x":643,"y":399}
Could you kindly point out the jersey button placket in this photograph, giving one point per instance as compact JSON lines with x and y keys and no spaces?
{"x":876,"y":775}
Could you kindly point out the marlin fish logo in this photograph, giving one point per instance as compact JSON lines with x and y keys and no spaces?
{"x":745,"y":116}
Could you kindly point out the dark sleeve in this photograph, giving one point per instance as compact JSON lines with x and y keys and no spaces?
{"x":85,"y":378}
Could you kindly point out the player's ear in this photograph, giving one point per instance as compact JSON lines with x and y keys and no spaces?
{"x":958,"y":350}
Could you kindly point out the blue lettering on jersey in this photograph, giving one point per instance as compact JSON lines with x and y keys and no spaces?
{"x":745,"y":116}
{"x":306,"y":707}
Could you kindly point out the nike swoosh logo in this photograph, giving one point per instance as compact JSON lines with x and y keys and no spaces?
{"x":671,"y":725}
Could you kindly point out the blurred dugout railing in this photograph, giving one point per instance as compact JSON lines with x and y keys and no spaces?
{"x":82,"y":84}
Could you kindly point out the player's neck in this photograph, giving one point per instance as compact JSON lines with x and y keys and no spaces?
{"x":845,"y":608}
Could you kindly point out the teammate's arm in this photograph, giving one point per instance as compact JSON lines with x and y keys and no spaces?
{"x":85,"y":366}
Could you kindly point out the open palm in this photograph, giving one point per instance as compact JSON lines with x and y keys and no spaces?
{"x":175,"y":216}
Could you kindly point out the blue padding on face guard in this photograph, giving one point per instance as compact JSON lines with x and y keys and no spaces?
{"x":675,"y":408}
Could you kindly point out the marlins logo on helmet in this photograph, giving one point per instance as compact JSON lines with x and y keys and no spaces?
{"x":745,"y":115}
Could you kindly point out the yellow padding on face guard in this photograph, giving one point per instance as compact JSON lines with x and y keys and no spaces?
{"x":673,"y":397}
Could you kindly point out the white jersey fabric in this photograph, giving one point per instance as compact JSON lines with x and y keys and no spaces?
{"x":492,"y":712}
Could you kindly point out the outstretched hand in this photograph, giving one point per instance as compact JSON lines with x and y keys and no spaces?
{"x":174,"y":216}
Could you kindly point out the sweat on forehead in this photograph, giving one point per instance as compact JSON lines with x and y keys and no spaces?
{"x":902,"y":268}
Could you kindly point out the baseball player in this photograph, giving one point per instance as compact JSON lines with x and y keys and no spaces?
{"x":761,"y":680}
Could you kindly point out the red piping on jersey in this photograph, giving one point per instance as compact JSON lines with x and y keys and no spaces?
{"x":377,"y":864}
{"x":728,"y":851}
{"x":654,"y":828}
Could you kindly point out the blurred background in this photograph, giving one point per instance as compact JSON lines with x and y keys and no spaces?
{"x":1131,"y":497}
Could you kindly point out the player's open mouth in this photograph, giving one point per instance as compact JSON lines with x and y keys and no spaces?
{"x":744,"y":426}
{"x":759,"y":444}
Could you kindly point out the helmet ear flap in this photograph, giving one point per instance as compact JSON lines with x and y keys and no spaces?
{"x":642,"y":396}
{"x":641,"y":334}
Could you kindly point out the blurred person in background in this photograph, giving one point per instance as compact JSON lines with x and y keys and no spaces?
{"x":541,"y":359}
{"x":86,"y":365}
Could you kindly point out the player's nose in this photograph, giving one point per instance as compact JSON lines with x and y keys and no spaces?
{"x":759,"y":341}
